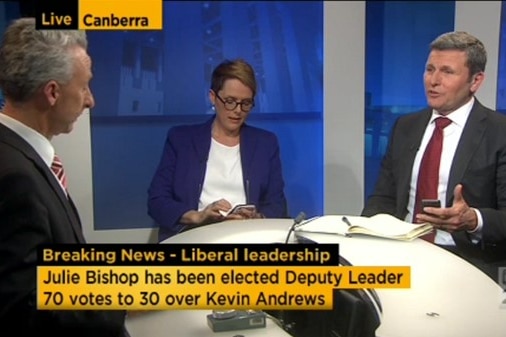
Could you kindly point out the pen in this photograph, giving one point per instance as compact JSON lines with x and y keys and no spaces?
{"x":346,"y":221}
{"x":247,"y":191}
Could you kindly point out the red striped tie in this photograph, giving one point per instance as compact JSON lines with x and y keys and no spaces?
{"x":57,"y":168}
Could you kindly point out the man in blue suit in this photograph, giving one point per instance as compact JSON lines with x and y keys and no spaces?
{"x":472,"y":170}
{"x":205,"y":169}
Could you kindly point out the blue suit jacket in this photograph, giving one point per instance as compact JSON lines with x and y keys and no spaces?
{"x":177,"y":182}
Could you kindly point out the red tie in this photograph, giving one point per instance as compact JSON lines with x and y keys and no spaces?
{"x":57,"y":168}
{"x":428,"y":175}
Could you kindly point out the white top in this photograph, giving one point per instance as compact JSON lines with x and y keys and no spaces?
{"x":451,"y":138}
{"x":223,"y":178}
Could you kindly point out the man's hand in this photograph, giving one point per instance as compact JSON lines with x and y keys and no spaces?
{"x":459,"y":217}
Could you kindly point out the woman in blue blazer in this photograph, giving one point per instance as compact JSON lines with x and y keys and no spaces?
{"x":205,"y":169}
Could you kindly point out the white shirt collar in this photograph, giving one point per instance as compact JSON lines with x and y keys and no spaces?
{"x":40,"y":144}
{"x":459,"y":116}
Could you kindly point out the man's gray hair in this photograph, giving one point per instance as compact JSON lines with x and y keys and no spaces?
{"x":463,"y":41}
{"x":30,"y":58}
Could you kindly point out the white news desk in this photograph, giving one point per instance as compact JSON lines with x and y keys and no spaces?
{"x":467,"y":302}
{"x":189,"y":323}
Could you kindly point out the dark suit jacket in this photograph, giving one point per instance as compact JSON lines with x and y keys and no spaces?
{"x":35,"y":210}
{"x":177,"y":182}
{"x":479,"y":165}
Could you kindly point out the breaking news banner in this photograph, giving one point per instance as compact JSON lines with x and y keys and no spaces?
{"x":201,"y":276}
{"x":99,"y":14}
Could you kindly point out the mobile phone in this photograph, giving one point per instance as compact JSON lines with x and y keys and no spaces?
{"x":238,"y":208}
{"x":431,"y":203}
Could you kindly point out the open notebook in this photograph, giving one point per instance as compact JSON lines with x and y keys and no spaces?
{"x":380,"y":225}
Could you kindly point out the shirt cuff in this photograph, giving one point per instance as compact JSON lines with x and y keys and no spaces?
{"x":479,"y":226}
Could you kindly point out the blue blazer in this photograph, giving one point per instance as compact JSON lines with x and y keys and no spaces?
{"x":177,"y":182}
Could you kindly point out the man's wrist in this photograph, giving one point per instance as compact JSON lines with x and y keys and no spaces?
{"x":473,"y":227}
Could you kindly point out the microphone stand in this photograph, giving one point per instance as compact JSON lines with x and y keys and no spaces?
{"x":298,"y":219}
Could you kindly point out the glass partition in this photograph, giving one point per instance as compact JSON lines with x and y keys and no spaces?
{"x":501,"y":76}
{"x":398,"y":34}
{"x":146,"y":82}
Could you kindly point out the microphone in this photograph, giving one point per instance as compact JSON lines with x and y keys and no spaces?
{"x":298,"y":219}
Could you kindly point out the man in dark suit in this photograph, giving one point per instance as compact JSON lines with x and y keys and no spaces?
{"x":472,"y":170}
{"x":44,"y":78}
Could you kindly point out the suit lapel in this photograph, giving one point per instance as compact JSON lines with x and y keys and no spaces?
{"x":67,"y":204}
{"x":248,"y":145}
{"x":19,"y":143}
{"x":76,"y":224}
{"x":470,"y":140}
{"x":414,"y":136}
{"x":201,"y":143}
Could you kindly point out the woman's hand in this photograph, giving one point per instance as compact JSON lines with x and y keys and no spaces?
{"x":208,"y":215}
{"x":245,"y":213}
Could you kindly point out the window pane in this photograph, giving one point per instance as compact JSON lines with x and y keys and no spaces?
{"x":398,"y":34}
{"x":501,"y":76}
{"x":146,"y":82}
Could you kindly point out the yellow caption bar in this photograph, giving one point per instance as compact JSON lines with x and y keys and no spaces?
{"x":120,"y":14}
{"x":206,"y":287}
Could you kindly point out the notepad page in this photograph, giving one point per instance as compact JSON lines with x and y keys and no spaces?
{"x":331,"y":224}
{"x":383,"y":224}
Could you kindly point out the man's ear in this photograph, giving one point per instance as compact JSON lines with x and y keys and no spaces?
{"x":51,"y":91}
{"x":476,"y":81}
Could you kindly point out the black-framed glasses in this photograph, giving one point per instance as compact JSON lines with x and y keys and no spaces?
{"x":230,"y":103}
